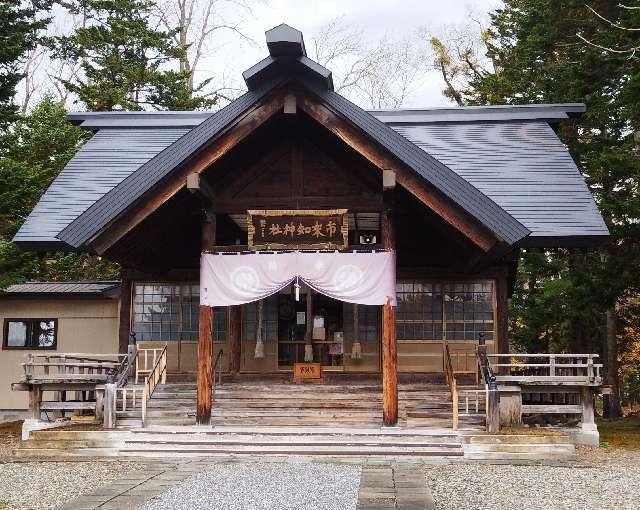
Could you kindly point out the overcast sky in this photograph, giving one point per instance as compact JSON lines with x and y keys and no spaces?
{"x":375,"y":17}
{"x":227,"y":56}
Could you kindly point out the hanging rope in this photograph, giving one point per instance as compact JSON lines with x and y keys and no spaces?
{"x":356,"y":348}
{"x":259,"y":351}
{"x":308,"y":346}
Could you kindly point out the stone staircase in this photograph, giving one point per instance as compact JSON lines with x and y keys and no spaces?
{"x":245,"y":441}
{"x":337,"y":419}
{"x":282,"y":404}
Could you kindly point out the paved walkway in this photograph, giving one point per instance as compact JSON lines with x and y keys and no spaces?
{"x":382,"y":487}
{"x":398,"y":486}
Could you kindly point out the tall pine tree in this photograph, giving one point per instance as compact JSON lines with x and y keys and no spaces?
{"x":126,"y":63}
{"x":20,"y":26}
{"x":554,"y":51}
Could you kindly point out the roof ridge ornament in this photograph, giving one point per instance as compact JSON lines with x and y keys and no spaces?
{"x":285,"y":41}
{"x":287,"y":58}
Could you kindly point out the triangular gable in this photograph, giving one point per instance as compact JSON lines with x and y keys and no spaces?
{"x":262,"y":80}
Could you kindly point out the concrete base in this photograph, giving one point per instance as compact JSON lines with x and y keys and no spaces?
{"x":13,"y":414}
{"x":586,"y":435}
{"x":31,"y":424}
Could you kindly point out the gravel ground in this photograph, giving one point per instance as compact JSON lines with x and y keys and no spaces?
{"x":258,"y":486}
{"x":612,"y":481}
{"x":40,"y":485}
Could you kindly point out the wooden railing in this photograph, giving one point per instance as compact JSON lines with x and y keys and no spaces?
{"x":450,"y":379}
{"x":146,"y":360}
{"x":158,"y":374}
{"x":71,"y":367}
{"x":547,"y":368}
{"x":217,"y":367}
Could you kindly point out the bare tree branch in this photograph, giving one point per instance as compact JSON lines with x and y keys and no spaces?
{"x":616,"y":25}
{"x":30,"y":80}
{"x":381,"y":74}
{"x":630,"y":51}
{"x":197,"y":21}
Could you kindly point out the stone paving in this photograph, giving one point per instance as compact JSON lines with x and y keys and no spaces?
{"x":382,"y":487}
{"x":134,"y":489}
{"x":396,"y":486}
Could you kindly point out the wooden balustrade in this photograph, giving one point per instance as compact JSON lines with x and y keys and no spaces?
{"x":547,"y":368}
{"x":71,"y":367}
{"x":157,"y":374}
{"x":146,"y":360}
{"x":450,"y":378}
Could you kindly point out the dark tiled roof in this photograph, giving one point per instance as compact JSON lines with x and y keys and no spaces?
{"x":504,"y":165}
{"x":102,"y":211}
{"x":448,"y":182}
{"x":70,"y":289}
{"x":109,"y":157}
{"x":524,"y":167}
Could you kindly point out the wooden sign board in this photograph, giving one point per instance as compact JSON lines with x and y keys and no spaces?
{"x":297,"y":229}
{"x":307,"y":371}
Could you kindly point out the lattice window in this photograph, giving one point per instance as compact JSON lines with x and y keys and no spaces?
{"x":269,"y":319}
{"x":369,"y":318}
{"x":168,"y":312}
{"x":444,"y":310}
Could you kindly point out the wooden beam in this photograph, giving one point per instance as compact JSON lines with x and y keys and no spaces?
{"x":161,"y":193}
{"x":235,"y":327}
{"x":389,"y":342}
{"x":198,"y":186}
{"x":124,"y":326}
{"x":362,"y":203}
{"x":406,"y":177}
{"x":289,"y":104}
{"x":205,"y":339}
{"x":501,"y":319}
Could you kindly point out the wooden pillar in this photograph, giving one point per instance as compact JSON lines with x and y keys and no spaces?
{"x":502,"y":325}
{"x":35,"y":401}
{"x":205,"y":340}
{"x":235,"y":327}
{"x":124,"y":327}
{"x":389,"y":343}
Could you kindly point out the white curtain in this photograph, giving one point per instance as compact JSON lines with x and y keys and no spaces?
{"x":361,"y":278}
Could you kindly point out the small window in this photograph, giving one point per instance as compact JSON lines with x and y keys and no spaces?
{"x":30,"y":333}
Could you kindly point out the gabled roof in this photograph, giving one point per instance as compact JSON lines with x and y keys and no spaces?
{"x":63,"y":289}
{"x":502,"y":164}
{"x":289,"y":63}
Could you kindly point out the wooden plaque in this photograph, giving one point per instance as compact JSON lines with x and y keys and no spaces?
{"x":297,"y":229}
{"x":307,"y":371}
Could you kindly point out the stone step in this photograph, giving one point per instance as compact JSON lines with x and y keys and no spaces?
{"x":62,"y":452}
{"x":296,"y":441}
{"x":324,"y":450}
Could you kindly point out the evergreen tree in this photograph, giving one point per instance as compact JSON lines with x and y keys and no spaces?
{"x":19,"y":33}
{"x":555,"y":51}
{"x":125,"y":62}
{"x":37,"y":148}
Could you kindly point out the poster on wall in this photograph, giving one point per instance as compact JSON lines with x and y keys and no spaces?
{"x":297,"y":229}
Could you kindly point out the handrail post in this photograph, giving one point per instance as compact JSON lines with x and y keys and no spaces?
{"x":493,"y":408}
{"x":552,"y":365}
{"x":454,"y":398}
{"x":145,"y":396}
{"x":109,"y":405}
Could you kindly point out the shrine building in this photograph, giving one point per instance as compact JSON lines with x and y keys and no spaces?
{"x":292,"y":228}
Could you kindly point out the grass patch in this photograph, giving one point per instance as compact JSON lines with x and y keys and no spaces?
{"x":620,"y":432}
{"x":11,"y":426}
{"x":527,"y":431}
